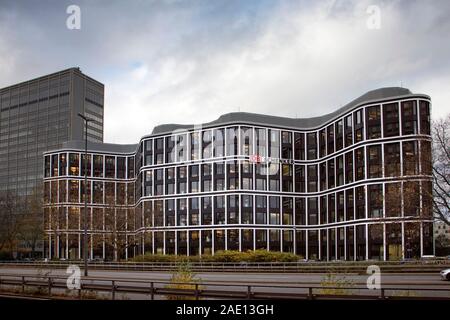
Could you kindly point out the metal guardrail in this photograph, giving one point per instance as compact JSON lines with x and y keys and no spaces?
{"x":443,"y":261}
{"x":211,"y":289}
{"x":420,"y":266}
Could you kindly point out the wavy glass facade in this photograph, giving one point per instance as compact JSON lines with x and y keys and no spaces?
{"x":39,"y":115}
{"x":350,"y":185}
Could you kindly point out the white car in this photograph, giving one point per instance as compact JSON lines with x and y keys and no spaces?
{"x":445,"y":274}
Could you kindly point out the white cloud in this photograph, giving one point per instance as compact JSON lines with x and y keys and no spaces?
{"x":303,"y":61}
{"x":190,"y":63}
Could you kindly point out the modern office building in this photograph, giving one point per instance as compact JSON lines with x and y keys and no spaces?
{"x":41,"y":114}
{"x":350,"y":185}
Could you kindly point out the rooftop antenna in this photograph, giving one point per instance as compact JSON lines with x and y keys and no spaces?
{"x":401,"y":84}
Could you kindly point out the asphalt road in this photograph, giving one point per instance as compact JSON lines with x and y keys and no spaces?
{"x":263,"y":282}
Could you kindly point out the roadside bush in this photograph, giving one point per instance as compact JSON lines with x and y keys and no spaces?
{"x":333,"y":285}
{"x":183,"y":279}
{"x":223,"y":256}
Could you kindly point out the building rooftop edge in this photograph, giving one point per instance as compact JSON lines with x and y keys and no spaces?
{"x":76,"y":69}
{"x":97,"y":146}
{"x":298,"y":123}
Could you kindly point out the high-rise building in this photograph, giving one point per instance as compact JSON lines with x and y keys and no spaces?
{"x":351,"y":185}
{"x":41,"y":114}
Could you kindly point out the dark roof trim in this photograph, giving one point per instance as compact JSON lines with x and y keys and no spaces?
{"x":93,"y":147}
{"x":73,"y":69}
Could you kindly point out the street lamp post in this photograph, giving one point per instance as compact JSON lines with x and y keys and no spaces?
{"x":85,"y":249}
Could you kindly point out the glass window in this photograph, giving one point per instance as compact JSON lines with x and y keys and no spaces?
{"x":47,"y":166}
{"x":349,"y":205}
{"x":233,"y":239}
{"x":393,"y":205}
{"x":170,"y":149}
{"x":410,"y":163}
{"x":375,"y":161}
{"x":360,"y":163}
{"x":88,"y":164}
{"x":339,"y":134}
{"x":299,"y":146}
{"x":207,"y":210}
{"x":233,"y":209}
{"x":181,"y":148}
{"x":261,"y":209}
{"x":360,"y":203}
{"x":159,"y":152}
{"x":55,"y":165}
{"x":121,"y":167}
{"x":331,"y":174}
{"x":376,"y":201}
{"x":261,"y":140}
{"x":130,"y":167}
{"x":207,"y":144}
{"x":182,"y":172}
{"x":340,"y":206}
{"x":390,"y":120}
{"x":219,"y":142}
{"x":392,"y":159}
{"x":63,"y":164}
{"x":274,"y":143}
{"x":312,"y":211}
{"x":300,"y":211}
{"x":195,"y":145}
{"x":286,"y":139}
{"x":331,"y":208}
{"x":288,"y":207}
{"x":373,"y":121}
{"x":312,"y":145}
{"x":110,"y":168}
{"x":409,"y":117}
{"x":148,"y":152}
{"x":322,"y":143}
{"x":246,"y":141}
{"x":349,"y":167}
{"x":299,"y":178}
{"x":312,"y":178}
{"x":98,"y":166}
{"x":425,"y":157}
{"x":247,"y":209}
{"x":424,"y":117}
{"x":330,"y":138}
{"x":98,"y":192}
{"x":348,"y":131}
{"x":339,"y":170}
{"x":359,"y":125}
{"x":74,"y":164}
{"x":274,"y":210}
{"x":287,"y":178}
{"x":74,"y":188}
{"x":232,"y":141}
{"x":411,"y":200}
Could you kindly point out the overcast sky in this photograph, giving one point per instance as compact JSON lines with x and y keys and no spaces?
{"x":191,"y":61}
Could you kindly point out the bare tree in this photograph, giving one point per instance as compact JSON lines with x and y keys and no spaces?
{"x":441,"y":169}
{"x":32,"y":227}
{"x":11,"y":213}
{"x":118,"y":219}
